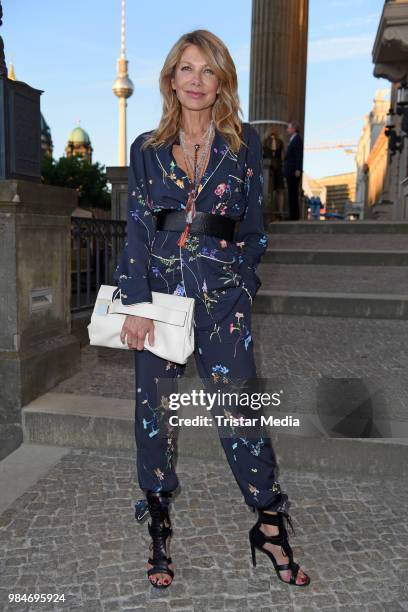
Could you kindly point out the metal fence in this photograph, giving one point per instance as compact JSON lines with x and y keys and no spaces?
{"x":95,"y":247}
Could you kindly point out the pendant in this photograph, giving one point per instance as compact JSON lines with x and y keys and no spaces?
{"x":182,"y":240}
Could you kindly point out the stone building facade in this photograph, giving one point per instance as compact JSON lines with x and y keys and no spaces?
{"x":390,"y":58}
{"x":372,"y":156}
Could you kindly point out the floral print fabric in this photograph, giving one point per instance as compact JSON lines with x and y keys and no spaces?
{"x":231,"y":186}
{"x":225,"y":361}
{"x":221,"y":276}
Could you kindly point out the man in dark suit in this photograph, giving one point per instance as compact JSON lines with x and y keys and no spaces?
{"x":293,"y":167}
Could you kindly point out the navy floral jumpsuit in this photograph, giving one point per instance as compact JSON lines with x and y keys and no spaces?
{"x":221,"y":276}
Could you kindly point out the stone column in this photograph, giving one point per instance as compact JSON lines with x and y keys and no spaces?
{"x":37,"y":350}
{"x":278,"y":69}
{"x":278,"y":61}
{"x":268,"y":89}
{"x":298,"y":20}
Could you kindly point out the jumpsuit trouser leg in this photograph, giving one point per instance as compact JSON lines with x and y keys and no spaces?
{"x":222,"y":356}
{"x":155,"y":441}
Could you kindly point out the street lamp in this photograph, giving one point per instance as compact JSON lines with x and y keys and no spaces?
{"x":402,"y":96}
{"x":389,"y":122}
{"x":396,"y":142}
{"x":402,"y":106}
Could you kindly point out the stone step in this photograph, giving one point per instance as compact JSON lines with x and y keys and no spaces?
{"x":85,"y":421}
{"x":340,"y":242}
{"x":379,"y":280}
{"x":338,"y":227}
{"x":332,"y":257}
{"x":330,"y":290}
{"x":323,"y":304}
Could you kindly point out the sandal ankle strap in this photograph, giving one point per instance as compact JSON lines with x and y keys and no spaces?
{"x":159,"y":496}
{"x":269,"y":519}
{"x":276,"y":519}
{"x":158,"y":504}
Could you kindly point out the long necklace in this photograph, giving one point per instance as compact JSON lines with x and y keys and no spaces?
{"x":196,"y":169}
{"x":189,"y":158}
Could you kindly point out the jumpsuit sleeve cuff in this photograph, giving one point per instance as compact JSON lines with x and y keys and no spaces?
{"x":129,"y":299}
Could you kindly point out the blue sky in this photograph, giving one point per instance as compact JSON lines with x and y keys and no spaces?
{"x":69,"y":49}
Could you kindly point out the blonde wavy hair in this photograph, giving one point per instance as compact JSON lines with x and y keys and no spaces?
{"x":226,"y":107}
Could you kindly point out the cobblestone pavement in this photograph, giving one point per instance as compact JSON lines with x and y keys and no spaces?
{"x":292,"y":346}
{"x":73,"y":532}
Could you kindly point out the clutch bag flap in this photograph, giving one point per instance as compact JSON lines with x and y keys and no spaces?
{"x":150,"y":311}
{"x":173,"y":316}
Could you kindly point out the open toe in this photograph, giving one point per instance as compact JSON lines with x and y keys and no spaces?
{"x":277,"y":548}
{"x":160,"y":574}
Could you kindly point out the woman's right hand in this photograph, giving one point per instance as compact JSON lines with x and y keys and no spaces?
{"x":134,"y":331}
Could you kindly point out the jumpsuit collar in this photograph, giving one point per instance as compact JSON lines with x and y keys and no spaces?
{"x":218,"y":152}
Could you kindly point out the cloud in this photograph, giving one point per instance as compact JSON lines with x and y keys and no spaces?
{"x":339,"y":48}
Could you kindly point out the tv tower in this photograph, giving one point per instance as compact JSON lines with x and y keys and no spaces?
{"x":123,"y":89}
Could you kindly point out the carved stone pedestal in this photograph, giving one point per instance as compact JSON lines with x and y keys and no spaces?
{"x":118,"y":177}
{"x":37,"y":349}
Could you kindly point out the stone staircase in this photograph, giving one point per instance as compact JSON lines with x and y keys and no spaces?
{"x":329,"y":269}
{"x":335,"y":268}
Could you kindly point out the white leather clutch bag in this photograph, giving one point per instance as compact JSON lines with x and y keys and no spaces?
{"x":173,"y":317}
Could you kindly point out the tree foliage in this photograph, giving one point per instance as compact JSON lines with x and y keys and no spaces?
{"x":89,"y":180}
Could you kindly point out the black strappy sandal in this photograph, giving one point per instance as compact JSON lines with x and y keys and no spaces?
{"x":257,"y":539}
{"x":159,"y":533}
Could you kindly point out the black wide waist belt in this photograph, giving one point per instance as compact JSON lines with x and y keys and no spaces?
{"x":203,"y":223}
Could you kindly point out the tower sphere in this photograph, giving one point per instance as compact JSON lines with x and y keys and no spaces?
{"x":123,"y":87}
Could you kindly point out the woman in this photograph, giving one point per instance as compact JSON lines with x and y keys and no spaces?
{"x":273,"y":149}
{"x":200,"y":133}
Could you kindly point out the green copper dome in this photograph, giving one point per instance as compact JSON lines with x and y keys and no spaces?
{"x":79,"y":136}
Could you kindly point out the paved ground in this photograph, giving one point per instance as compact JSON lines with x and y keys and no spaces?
{"x":73,"y":532}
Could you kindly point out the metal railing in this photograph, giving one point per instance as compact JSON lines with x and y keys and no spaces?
{"x":95,"y":247}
